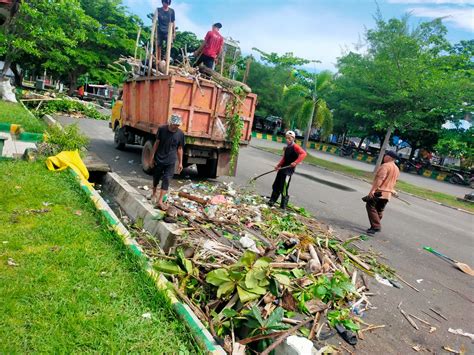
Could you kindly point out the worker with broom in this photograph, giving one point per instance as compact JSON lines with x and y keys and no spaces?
{"x":383,"y":187}
{"x":293,"y":155}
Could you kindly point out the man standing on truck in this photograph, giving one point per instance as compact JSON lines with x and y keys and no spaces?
{"x":211,"y":48}
{"x":167,"y":148}
{"x":382,"y":189}
{"x":293,"y":154}
{"x":165,"y":17}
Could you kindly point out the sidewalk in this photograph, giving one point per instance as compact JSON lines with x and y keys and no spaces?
{"x":438,"y":186}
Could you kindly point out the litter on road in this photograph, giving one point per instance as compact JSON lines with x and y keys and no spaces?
{"x":258,"y":274}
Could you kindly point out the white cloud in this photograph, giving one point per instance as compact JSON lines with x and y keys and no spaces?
{"x":317,"y":36}
{"x":185,"y":22}
{"x":433,"y":2}
{"x":460,"y":17}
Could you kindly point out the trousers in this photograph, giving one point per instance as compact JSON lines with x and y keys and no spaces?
{"x":281,"y":185}
{"x":375,"y":207}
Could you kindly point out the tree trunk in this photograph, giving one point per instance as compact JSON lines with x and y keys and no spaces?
{"x":72,"y":83}
{"x":360,"y":143}
{"x":383,"y":147}
{"x":308,"y":128}
{"x":6,"y":66}
{"x":18,"y":75}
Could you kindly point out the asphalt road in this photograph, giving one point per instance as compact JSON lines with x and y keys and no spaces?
{"x":435,"y":185}
{"x":335,"y":199}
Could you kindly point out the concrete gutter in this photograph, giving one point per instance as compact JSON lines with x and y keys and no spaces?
{"x":136,"y":207}
{"x":126,"y":195}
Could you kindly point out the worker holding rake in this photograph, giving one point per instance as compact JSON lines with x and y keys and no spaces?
{"x":293,"y":154}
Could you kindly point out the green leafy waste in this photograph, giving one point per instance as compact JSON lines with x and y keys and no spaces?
{"x":235,"y":124}
{"x":68,"y":107}
{"x":251,"y":277}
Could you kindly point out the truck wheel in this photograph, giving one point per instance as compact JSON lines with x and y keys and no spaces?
{"x":146,"y":155}
{"x":208,"y":170}
{"x":119,"y":138}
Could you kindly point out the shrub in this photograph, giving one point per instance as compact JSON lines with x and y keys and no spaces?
{"x":70,"y":106}
{"x":58,"y":140}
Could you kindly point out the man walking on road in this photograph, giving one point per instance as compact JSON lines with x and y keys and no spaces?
{"x":382,"y":189}
{"x":211,"y":48}
{"x":165,"y":17}
{"x":167,"y":148}
{"x":293,"y":154}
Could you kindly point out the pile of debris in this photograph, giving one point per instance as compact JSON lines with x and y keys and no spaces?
{"x":256,"y":275}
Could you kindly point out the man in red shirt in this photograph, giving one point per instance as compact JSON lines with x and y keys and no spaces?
{"x":211,"y":48}
{"x":293,"y":155}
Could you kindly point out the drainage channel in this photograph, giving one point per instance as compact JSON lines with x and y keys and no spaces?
{"x":116,"y":196}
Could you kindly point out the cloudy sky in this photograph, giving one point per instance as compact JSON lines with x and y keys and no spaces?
{"x":313,"y":29}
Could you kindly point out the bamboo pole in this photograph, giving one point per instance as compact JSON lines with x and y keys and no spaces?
{"x":222,"y":61}
{"x":168,"y":47}
{"x":152,"y":40}
{"x":137,"y":42}
{"x":247,"y":70}
{"x":157,"y":46}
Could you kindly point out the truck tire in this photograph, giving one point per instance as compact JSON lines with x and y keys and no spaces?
{"x":119,"y":138}
{"x":208,"y":170}
{"x":146,"y":154}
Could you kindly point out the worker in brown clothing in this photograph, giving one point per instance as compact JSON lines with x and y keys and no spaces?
{"x":382,"y":189}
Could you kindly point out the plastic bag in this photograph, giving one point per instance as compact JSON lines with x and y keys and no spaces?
{"x":7,"y":91}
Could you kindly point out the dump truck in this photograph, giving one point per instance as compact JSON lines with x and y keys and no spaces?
{"x":148,"y":102}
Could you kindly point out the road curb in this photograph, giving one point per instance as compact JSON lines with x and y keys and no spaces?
{"x":50,"y":121}
{"x":335,"y":150}
{"x":369,"y":182}
{"x":198,"y":330}
{"x":136,"y":208}
{"x":16,"y":131}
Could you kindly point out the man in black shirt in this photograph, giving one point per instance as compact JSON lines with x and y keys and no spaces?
{"x":167,"y":148}
{"x":165,"y":17}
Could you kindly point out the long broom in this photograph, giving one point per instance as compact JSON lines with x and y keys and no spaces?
{"x":461,"y":266}
{"x":268,"y":172}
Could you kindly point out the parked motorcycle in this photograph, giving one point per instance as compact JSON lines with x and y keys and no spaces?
{"x":460,"y":178}
{"x":418,"y":166}
{"x":347,"y":150}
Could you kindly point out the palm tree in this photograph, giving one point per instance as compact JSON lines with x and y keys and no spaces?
{"x":305,"y":106}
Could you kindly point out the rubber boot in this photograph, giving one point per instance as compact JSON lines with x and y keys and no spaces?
{"x":284,"y":202}
{"x":273,"y":198}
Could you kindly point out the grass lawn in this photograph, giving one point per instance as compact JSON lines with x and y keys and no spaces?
{"x":401,"y":185}
{"x":15,"y":113}
{"x":74,"y":287}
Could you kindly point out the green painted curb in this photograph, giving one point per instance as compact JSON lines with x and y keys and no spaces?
{"x":24,"y":136}
{"x":31,"y":137}
{"x":4,"y":127}
{"x":335,"y":150}
{"x":198,"y":330}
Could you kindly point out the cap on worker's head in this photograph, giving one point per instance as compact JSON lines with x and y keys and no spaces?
{"x":176,"y":119}
{"x":217,"y":25}
{"x":391,"y":154}
{"x":168,"y":2}
{"x":291,"y":134}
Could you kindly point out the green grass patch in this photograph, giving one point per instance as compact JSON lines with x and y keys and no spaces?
{"x":15,"y":113}
{"x":75,"y":288}
{"x":401,"y":185}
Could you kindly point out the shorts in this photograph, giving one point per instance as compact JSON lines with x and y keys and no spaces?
{"x":164,"y":173}
{"x":206,"y":60}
